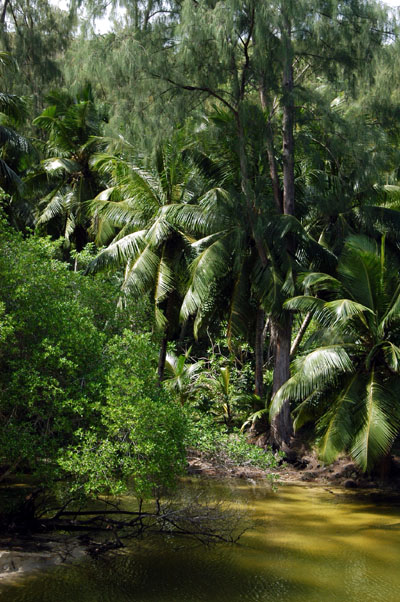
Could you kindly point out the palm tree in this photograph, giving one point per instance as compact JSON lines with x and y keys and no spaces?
{"x":350,"y":377}
{"x":134,"y":217}
{"x":16,"y":153}
{"x":181,"y":376}
{"x":228,"y":264}
{"x":73,"y":125}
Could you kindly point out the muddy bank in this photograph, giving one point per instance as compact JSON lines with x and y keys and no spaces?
{"x":22,"y":555}
{"x":304,"y":468}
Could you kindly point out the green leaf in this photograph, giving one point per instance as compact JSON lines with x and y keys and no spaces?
{"x":379,"y":424}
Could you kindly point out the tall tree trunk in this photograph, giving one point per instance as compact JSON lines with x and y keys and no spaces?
{"x":281,"y":424}
{"x":248,"y":192}
{"x":162,"y":357}
{"x":259,"y":353}
{"x":273,"y":168}
{"x":288,"y":123}
{"x":166,"y":336}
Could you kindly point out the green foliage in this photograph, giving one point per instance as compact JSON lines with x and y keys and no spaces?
{"x":139,"y":441}
{"x":54,"y":327}
{"x":226,"y":448}
{"x":181,"y":377}
{"x":35,"y":33}
{"x":348,"y":381}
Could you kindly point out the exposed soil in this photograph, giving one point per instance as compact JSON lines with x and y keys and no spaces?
{"x":300,"y":466}
{"x":21,"y":555}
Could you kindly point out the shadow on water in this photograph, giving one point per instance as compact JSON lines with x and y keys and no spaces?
{"x":308,"y":545}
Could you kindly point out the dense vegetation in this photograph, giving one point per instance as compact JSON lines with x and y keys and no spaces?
{"x":200,"y":231}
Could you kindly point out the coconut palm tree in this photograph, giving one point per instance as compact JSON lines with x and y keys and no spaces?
{"x":349,"y":378}
{"x":228,"y":265}
{"x":134,"y":217}
{"x":65,"y":176}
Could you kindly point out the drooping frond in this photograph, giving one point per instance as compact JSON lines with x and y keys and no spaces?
{"x":117,"y":213}
{"x":159,"y":230}
{"x":337,"y":423}
{"x":164,"y":282}
{"x":55,"y":205}
{"x":60,"y":165}
{"x":318,"y":281}
{"x":379,"y":423}
{"x":312,"y":372}
{"x":8,"y":177}
{"x":120,"y":252}
{"x":209,"y":266}
{"x":392,"y":355}
{"x":329,"y":313}
{"x":12,"y":106}
{"x":360,"y":271}
{"x":141,"y":272}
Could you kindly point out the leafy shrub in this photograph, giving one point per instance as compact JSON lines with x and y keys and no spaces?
{"x":227,"y":448}
{"x":139,"y":441}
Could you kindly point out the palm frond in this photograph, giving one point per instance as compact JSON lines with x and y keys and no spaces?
{"x":141,"y":272}
{"x":164,"y":281}
{"x":119,"y":252}
{"x":55,"y":205}
{"x":337,"y":423}
{"x":311,"y":372}
{"x":392,"y":355}
{"x":208,"y":267}
{"x":60,"y":164}
{"x":379,"y":424}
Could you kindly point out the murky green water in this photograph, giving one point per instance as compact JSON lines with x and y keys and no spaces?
{"x":309,"y":545}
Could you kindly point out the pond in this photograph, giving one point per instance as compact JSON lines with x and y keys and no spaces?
{"x":308,"y":544}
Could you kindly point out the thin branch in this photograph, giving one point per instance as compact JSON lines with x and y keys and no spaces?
{"x":246,"y":54}
{"x":205,"y":89}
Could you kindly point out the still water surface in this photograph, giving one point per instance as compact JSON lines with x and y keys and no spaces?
{"x":309,"y":545}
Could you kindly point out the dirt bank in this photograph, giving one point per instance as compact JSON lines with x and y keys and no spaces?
{"x":22,"y":555}
{"x":304,"y":467}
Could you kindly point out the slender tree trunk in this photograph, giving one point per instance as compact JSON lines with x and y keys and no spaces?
{"x":300,"y":334}
{"x":248,"y":193}
{"x":162,"y":357}
{"x":288,"y":123}
{"x":4,"y":12}
{"x":259,"y":353}
{"x":273,"y":168}
{"x":164,"y":342}
{"x":281,"y":424}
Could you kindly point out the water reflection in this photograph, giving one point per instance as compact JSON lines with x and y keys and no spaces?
{"x":309,"y":545}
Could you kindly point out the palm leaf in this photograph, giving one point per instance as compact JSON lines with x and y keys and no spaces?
{"x":379,"y":424}
{"x":59,"y":164}
{"x":164,"y":281}
{"x":119,"y":252}
{"x":338,"y":422}
{"x":141,"y":272}
{"x":311,"y":373}
{"x":208,"y":267}
{"x":392,"y":355}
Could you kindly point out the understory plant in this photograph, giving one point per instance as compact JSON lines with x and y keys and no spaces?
{"x":226,"y":448}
